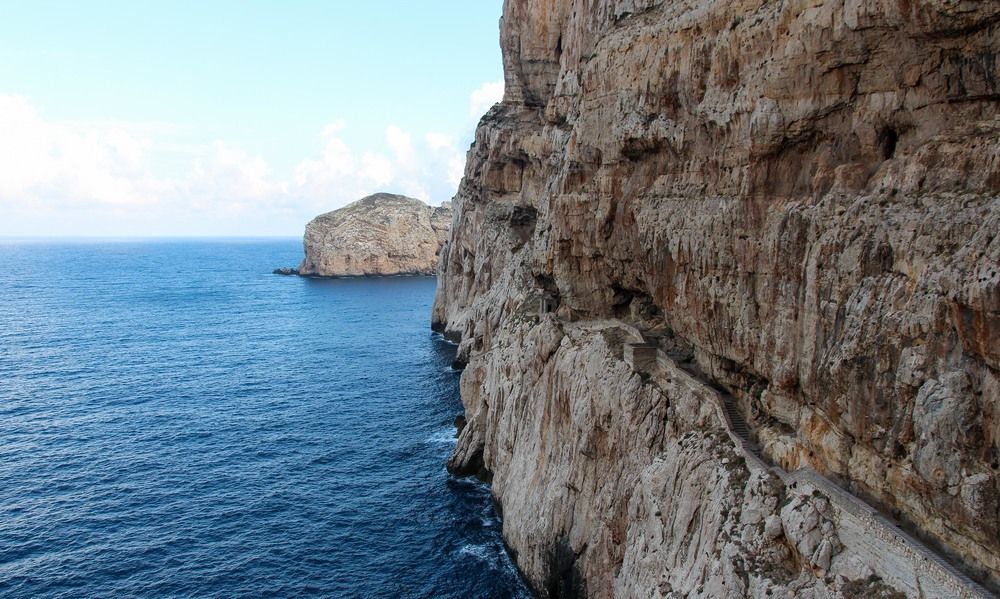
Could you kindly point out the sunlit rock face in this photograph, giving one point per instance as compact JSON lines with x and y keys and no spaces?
{"x":803,"y":199}
{"x":382,"y":234}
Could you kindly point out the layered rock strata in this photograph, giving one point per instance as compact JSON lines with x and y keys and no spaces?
{"x":382,"y":234}
{"x":800,"y":201}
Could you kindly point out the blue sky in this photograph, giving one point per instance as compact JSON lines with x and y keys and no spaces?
{"x":233,"y":118}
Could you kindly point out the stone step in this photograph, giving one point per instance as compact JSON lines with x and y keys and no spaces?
{"x":739,"y":426}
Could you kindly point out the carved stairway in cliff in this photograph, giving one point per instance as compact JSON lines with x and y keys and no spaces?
{"x":925,"y":571}
{"x":738,"y":424}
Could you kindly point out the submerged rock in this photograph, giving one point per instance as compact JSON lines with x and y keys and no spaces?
{"x":287,"y":272}
{"x":382,"y":234}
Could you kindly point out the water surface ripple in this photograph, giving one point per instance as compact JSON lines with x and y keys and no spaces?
{"x":175,"y":421}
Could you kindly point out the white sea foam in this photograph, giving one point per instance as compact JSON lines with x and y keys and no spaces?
{"x":480,"y":552}
{"x":446,"y":436}
{"x":441,"y":337}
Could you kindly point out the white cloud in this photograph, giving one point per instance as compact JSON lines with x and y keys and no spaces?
{"x":438,"y":141}
{"x":228,"y":175}
{"x":483,"y":98}
{"x":423,"y":169}
{"x":336,"y":161}
{"x":70,"y":163}
{"x":113,"y":173}
{"x":377,"y":168}
{"x":456,"y":169}
{"x":401,"y":144}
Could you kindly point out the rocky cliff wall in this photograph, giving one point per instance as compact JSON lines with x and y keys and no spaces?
{"x":802,"y":199}
{"x":382,"y":234}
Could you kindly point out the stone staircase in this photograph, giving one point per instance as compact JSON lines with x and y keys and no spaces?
{"x":737,"y":423}
{"x":947,"y":577}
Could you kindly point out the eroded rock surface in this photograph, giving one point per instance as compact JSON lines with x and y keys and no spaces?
{"x":382,"y":234}
{"x":802,"y":198}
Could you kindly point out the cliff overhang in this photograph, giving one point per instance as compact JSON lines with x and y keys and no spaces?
{"x":801,"y":200}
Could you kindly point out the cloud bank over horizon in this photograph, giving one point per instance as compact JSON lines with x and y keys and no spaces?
{"x":57,"y":176}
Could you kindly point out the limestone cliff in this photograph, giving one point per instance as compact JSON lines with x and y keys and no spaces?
{"x":382,"y":234}
{"x":798,"y":203}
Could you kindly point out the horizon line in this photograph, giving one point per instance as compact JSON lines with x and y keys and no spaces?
{"x":142,"y":237}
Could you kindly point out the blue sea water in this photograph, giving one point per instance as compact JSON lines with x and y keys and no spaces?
{"x":175,"y":421}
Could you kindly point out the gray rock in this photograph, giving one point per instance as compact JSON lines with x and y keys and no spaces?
{"x":806,"y":196}
{"x":382,"y":234}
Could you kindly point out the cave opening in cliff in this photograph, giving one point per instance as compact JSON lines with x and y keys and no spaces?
{"x":887,"y":140}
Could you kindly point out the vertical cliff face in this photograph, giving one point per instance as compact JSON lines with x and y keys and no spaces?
{"x":801,"y":201}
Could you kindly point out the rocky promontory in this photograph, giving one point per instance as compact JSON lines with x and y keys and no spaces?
{"x":726,"y":276}
{"x":382,"y":234}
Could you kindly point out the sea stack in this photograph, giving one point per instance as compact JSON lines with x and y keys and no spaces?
{"x":380,"y":235}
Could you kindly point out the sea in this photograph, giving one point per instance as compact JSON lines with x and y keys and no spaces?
{"x":177,"y":421}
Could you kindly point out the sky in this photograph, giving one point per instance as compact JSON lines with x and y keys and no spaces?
{"x":233,"y":118}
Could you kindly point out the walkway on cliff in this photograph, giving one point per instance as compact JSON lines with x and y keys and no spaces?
{"x":645,"y":356}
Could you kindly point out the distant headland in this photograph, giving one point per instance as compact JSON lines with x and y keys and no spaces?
{"x":380,"y":235}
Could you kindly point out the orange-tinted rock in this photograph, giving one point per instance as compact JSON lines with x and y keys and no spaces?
{"x":805,"y":194}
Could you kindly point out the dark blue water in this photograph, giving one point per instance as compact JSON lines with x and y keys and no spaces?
{"x":175,"y":421}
